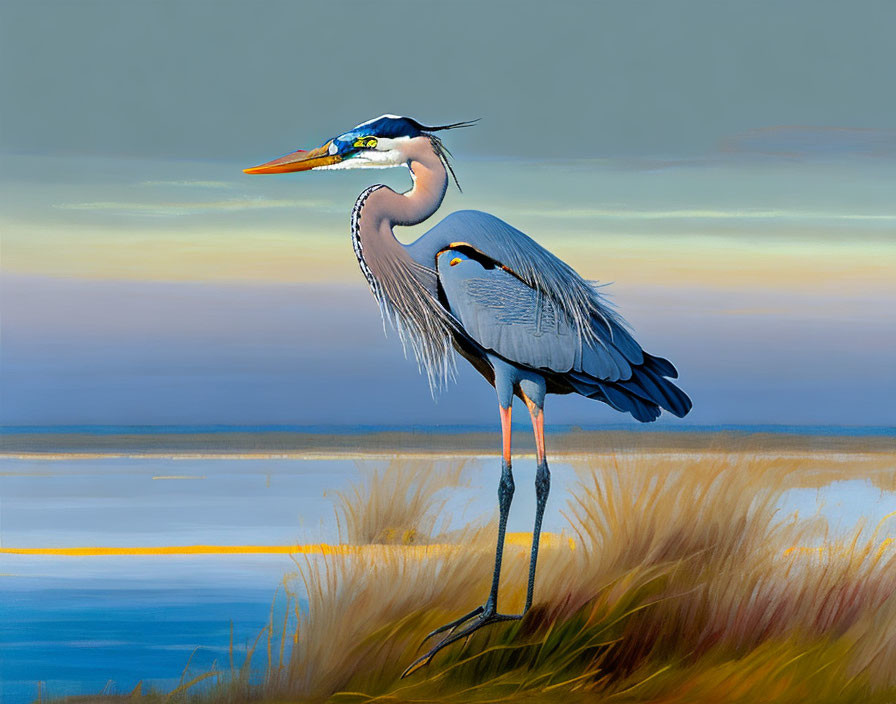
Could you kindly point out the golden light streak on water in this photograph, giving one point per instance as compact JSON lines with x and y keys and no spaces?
{"x":522,"y":539}
{"x":548,"y":540}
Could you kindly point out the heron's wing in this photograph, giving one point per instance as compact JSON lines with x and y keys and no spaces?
{"x":507,"y":316}
{"x":532,"y":263}
{"x":588,"y":336}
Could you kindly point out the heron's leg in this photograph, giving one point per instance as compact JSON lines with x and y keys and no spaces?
{"x":542,"y":489}
{"x":505,"y":496}
{"x":488,"y":613}
{"x":506,"y":488}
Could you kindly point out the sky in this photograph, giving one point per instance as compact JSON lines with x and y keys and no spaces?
{"x":728,"y":167}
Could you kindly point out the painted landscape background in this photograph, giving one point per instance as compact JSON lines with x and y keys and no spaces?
{"x":190,"y":356}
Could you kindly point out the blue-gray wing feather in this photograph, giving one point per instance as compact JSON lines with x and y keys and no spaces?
{"x":592,"y":337}
{"x":531,"y":262}
{"x":506,"y":316}
{"x":520,"y":323}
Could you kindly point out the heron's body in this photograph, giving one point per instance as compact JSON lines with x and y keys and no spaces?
{"x":511,"y":300}
{"x":522,"y":317}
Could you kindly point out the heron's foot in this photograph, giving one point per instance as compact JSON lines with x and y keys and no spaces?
{"x":451,"y":627}
{"x":483,"y":615}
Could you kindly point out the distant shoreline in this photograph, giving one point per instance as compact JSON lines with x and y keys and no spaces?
{"x":360,"y":429}
{"x":238,"y":443}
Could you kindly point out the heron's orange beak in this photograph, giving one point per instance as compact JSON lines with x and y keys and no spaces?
{"x":297,"y":161}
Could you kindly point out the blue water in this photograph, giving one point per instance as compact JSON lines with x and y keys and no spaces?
{"x":79,"y":640}
{"x":76,"y":624}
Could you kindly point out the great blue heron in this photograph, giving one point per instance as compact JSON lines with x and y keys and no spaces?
{"x":522,"y":317}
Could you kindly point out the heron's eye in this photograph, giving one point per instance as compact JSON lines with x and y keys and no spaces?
{"x":455,"y":261}
{"x":365,"y":143}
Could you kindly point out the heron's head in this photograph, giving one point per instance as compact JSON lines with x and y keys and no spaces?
{"x":380,"y":143}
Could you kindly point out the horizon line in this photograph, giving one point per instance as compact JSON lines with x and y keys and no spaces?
{"x":439,"y":429}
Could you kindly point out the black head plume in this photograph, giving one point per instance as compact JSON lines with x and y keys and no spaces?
{"x":439,"y":128}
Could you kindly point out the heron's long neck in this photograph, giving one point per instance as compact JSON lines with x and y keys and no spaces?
{"x":379,"y":208}
{"x":405,"y":289}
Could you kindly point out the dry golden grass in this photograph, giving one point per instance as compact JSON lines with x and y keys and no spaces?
{"x":401,"y":503}
{"x":684,"y":586}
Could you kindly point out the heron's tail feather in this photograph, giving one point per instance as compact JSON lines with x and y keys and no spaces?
{"x":661,"y":366}
{"x":641,"y":410}
{"x":650,"y":384}
{"x":643,"y":395}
